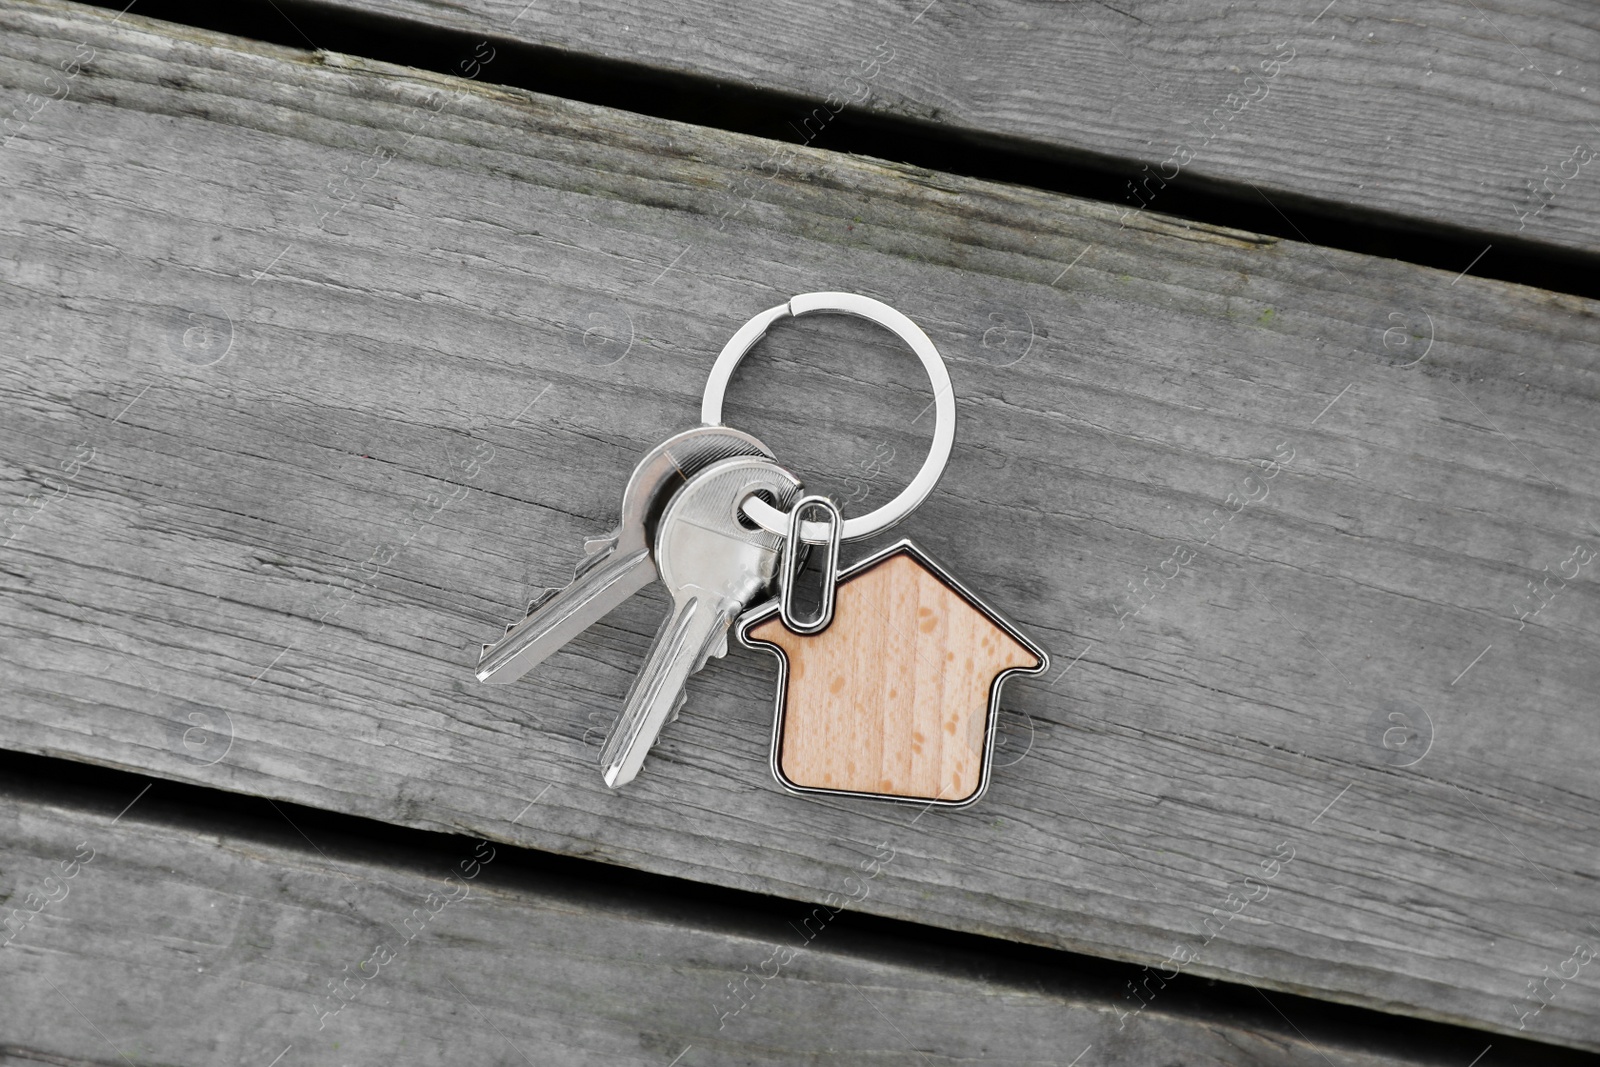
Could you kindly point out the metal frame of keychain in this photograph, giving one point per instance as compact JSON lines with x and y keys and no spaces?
{"x":873,"y":698}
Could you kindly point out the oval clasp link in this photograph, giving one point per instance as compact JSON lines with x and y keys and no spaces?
{"x":794,"y":555}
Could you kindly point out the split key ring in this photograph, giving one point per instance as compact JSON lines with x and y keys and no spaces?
{"x":770,"y":518}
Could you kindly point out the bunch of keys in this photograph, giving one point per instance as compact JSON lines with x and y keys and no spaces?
{"x":891,"y":689}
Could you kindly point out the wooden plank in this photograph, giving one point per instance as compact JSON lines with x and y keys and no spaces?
{"x":179,"y":941}
{"x":321,"y":403}
{"x":1469,"y":115}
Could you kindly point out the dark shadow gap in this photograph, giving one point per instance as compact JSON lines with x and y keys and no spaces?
{"x":700,"y":101}
{"x":205,"y":812}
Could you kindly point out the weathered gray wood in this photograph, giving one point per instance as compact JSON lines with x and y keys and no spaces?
{"x":1464,"y":113}
{"x":1115,"y":387}
{"x":183,"y":944}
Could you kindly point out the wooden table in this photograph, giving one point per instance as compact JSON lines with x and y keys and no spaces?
{"x":320,"y":366}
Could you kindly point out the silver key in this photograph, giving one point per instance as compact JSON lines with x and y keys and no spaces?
{"x":616,"y":566}
{"x":714,"y":567}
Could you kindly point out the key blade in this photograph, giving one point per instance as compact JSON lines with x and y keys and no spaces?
{"x":560,"y":618}
{"x":713,"y":565}
{"x":696,"y":625}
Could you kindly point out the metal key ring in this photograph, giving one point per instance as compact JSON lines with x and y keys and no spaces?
{"x":770,"y":518}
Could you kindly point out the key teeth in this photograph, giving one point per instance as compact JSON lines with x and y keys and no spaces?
{"x":683,"y":698}
{"x":536,"y":603}
{"x":718,"y":650}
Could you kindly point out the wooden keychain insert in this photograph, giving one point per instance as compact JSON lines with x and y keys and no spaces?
{"x":897,"y":697}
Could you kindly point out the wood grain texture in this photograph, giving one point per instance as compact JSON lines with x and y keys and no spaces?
{"x":893,"y":698}
{"x":316,"y":369}
{"x":1479,"y":115}
{"x":184,"y":944}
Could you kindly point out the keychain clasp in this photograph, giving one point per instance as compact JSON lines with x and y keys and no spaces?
{"x":794,"y":556}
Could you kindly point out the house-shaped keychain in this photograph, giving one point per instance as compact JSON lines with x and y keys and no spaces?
{"x":897,"y":697}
